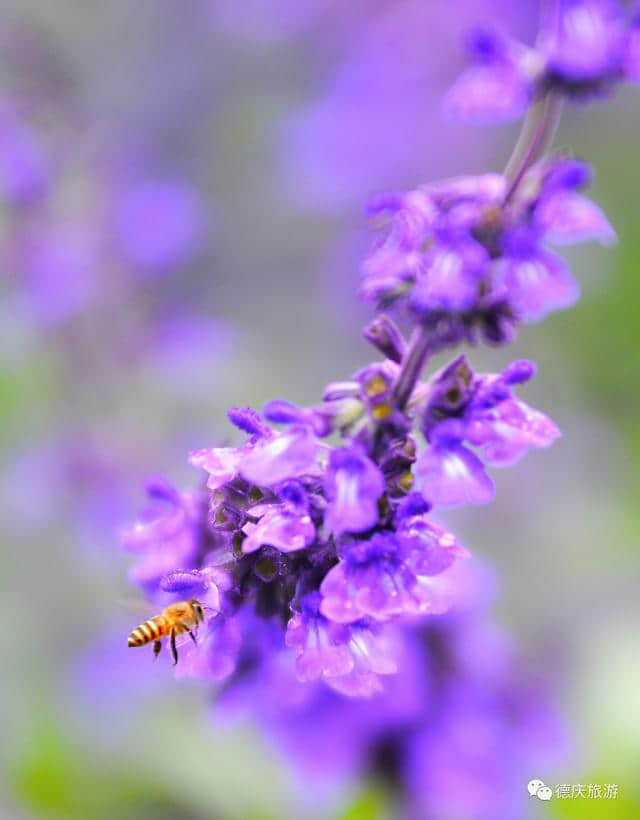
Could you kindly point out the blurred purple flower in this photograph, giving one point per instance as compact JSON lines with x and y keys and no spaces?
{"x":167,"y":536}
{"x":23,"y":164}
{"x":61,"y":270}
{"x":462,"y":250}
{"x":377,"y":117}
{"x":158,"y":224}
{"x":584,"y":49}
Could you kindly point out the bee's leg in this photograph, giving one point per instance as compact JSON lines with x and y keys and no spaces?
{"x":174,"y":650}
{"x":157,"y":646}
{"x":187,"y":628}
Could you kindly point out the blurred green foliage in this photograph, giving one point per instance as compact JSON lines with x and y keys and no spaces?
{"x":57,"y":778}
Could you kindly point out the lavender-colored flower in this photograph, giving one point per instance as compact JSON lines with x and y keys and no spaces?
{"x":348,"y":657}
{"x":158,"y":224}
{"x":279,"y":525}
{"x":314,"y":544}
{"x":60,"y":267}
{"x":168,"y":535}
{"x":23,"y":165}
{"x":583,"y":50}
{"x":205,"y":584}
{"x":393,"y":573}
{"x":464,"y":408}
{"x":289,"y":454}
{"x":463,"y":250}
{"x":353,"y":484}
{"x":216,"y":655}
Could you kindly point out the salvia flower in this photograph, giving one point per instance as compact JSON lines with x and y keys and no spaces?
{"x":465,"y":410}
{"x":167,"y":536}
{"x":329,"y":547}
{"x":470,"y":252}
{"x":583,"y":51}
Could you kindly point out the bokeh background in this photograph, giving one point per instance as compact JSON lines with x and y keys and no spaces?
{"x":182,"y":186}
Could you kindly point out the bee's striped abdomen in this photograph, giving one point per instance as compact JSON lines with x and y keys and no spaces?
{"x":150,"y":630}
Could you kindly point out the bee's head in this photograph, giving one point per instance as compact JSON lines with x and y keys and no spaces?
{"x":198,"y":610}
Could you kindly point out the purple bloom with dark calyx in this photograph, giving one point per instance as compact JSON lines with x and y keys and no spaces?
{"x":585,"y":43}
{"x":464,"y":408}
{"x":477,"y":254}
{"x":584,"y":49}
{"x":167,"y":536}
{"x":497,"y":86}
{"x":448,"y":474}
{"x":326,"y":573}
{"x":353,"y":485}
{"x":347,"y":657}
{"x":389,"y":575}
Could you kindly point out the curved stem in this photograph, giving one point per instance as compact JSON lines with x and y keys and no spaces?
{"x":536,"y":136}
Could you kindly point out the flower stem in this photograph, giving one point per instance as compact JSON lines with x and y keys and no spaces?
{"x":415,"y":358}
{"x":536,"y":136}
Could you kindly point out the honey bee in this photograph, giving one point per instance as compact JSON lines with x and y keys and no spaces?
{"x":176,"y":619}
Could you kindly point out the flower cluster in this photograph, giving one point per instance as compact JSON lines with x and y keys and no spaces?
{"x":455,"y":734}
{"x":584,"y":49}
{"x":334,"y":542}
{"x":469,"y":253}
{"x":314,"y":544}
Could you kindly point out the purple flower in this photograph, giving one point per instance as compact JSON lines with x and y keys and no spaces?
{"x":220,"y":462}
{"x":391,"y":574}
{"x":166,"y":537}
{"x":61,"y":271}
{"x":23,"y":166}
{"x":582,"y":51}
{"x":215,"y":657}
{"x":461,"y":249}
{"x":204,"y":584}
{"x":158,"y":224}
{"x":289,"y":454}
{"x":279,"y":525}
{"x":353,"y":484}
{"x":348,"y":658}
{"x":449,"y":475}
{"x":497,"y":86}
{"x":463,"y":408}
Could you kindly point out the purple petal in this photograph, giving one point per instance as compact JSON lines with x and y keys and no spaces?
{"x":353,"y":484}
{"x":495,"y":91}
{"x":158,"y":224}
{"x":509,"y":429}
{"x":281,"y":528}
{"x":317,"y":654}
{"x":540,"y":284}
{"x":449,"y":280}
{"x":285,"y":455}
{"x":337,"y":602}
{"x":448,"y":477}
{"x":220,"y":462}
{"x":567,"y":217}
{"x":586,"y":41}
